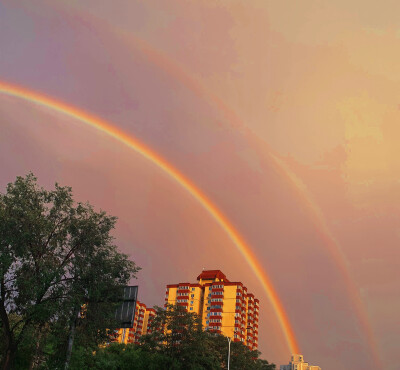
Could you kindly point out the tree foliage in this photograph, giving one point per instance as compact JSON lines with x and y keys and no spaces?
{"x":55,"y":256}
{"x":178,"y":334}
{"x":122,"y":357}
{"x":176,"y":342}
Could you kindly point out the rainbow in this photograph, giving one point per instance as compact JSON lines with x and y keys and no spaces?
{"x":133,"y":143}
{"x":335,"y":251}
{"x":177,"y":71}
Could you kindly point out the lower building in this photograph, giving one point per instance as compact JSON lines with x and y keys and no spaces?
{"x":225,"y":307}
{"x":297,"y":363}
{"x":141,"y":325}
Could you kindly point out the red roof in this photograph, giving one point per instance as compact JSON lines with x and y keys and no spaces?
{"x":212,"y":275}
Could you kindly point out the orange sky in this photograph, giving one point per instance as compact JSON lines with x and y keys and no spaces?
{"x":317,"y":84}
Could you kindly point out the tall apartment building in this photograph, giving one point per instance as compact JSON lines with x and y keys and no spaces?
{"x":141,"y":325}
{"x":225,"y":307}
{"x":297,"y":363}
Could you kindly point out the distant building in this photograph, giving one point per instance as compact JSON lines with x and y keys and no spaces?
{"x":297,"y":363}
{"x":225,"y":307}
{"x":141,"y":325}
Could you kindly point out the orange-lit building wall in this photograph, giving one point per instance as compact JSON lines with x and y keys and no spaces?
{"x":148,"y":318}
{"x":141,"y":325}
{"x":225,"y":307}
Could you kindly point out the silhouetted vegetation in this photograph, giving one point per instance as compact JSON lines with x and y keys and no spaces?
{"x":55,"y":256}
{"x":176,"y":341}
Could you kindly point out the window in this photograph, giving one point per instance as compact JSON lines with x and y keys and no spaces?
{"x":192,"y":289}
{"x":218,"y":286}
{"x":192,"y":295}
{"x":191,"y":308}
{"x":191,"y":302}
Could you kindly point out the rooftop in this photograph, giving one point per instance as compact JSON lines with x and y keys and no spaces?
{"x":212,"y":275}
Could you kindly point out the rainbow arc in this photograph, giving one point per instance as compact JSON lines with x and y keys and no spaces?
{"x":177,"y":71}
{"x":133,"y":143}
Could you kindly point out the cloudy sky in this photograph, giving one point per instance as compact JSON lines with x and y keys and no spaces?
{"x":284,"y":113}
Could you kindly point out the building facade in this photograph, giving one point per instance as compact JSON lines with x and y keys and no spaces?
{"x":225,"y":307}
{"x":297,"y":363}
{"x":141,"y":325}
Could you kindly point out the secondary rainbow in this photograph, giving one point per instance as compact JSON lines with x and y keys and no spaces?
{"x":333,"y":247}
{"x":160,"y":162}
{"x":177,"y":71}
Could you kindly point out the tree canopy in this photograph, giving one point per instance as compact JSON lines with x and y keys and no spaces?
{"x":176,"y":342}
{"x":56,"y":256}
{"x":178,"y":334}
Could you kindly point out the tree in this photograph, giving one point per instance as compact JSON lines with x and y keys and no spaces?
{"x":122,"y":357}
{"x":55,"y":257}
{"x":242,"y":358}
{"x":179,"y":335}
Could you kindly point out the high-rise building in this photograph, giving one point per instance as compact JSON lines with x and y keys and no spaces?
{"x":297,"y":363}
{"x":225,"y":307}
{"x":141,"y":325}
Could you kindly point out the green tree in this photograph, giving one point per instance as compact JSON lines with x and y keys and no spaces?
{"x":55,"y":256}
{"x":122,"y":357}
{"x":242,"y":358}
{"x":179,"y":335}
